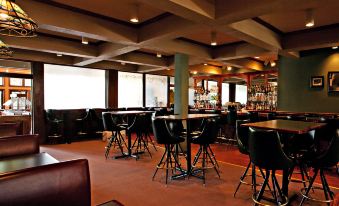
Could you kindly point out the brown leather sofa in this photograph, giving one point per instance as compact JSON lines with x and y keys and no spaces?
{"x":65,"y":183}
{"x":19,"y":145}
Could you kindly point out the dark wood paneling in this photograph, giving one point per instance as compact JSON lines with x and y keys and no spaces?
{"x":38,"y":101}
{"x":112,"y":88}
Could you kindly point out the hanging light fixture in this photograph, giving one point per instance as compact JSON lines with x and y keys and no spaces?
{"x":14,"y":21}
{"x":229,"y":68}
{"x":309,"y":18}
{"x":159,"y":55}
{"x":4,"y":50}
{"x":213,"y":38}
{"x":135,"y":14}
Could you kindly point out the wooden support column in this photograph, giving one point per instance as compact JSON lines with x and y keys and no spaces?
{"x":219,"y":105}
{"x":38,"y":113}
{"x":232,"y":92}
{"x":112,"y":88}
{"x":144,"y":90}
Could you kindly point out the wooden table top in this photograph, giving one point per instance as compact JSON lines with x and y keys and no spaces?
{"x":290,"y":126}
{"x":188,"y":117}
{"x":129,"y":112}
{"x":25,"y":161}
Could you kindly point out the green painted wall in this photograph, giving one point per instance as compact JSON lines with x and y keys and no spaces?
{"x":294,"y":92}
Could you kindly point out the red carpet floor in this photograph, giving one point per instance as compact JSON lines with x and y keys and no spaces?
{"x":129,"y":181}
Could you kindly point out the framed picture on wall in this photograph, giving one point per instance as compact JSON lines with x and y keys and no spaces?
{"x":15,"y":82}
{"x":317,"y":81}
{"x":333,"y":81}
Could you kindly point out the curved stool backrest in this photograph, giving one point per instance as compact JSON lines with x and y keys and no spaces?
{"x":329,"y":158}
{"x":266,"y":151}
{"x":161,"y":132}
{"x":209,"y":132}
{"x":242,"y":136}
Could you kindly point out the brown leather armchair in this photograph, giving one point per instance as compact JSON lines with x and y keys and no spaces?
{"x":19,"y":145}
{"x":64,"y":183}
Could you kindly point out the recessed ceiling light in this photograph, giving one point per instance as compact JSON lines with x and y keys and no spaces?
{"x":309,"y":18}
{"x":205,"y":64}
{"x":168,"y":69}
{"x":135,"y":14}
{"x":213,"y":38}
{"x":194,"y":72}
{"x":84,"y":40}
{"x":257,"y":57}
{"x":159,"y":55}
{"x":59,"y":55}
{"x":335,"y":47}
{"x":229,"y":68}
{"x":7,"y":70}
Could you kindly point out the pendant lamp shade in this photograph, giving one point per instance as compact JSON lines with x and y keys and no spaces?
{"x":14,"y":21}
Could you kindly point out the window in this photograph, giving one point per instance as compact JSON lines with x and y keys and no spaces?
{"x":225,"y":95}
{"x":130,"y":89}
{"x":241,"y":94}
{"x":74,"y":88}
{"x":156,"y":91}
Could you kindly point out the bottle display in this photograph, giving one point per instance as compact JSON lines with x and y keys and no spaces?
{"x":262,"y":97}
{"x":205,"y":98}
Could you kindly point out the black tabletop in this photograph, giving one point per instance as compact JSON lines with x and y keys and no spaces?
{"x":187,"y":117}
{"x":25,"y":161}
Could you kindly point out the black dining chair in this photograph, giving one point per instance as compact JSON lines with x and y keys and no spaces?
{"x":169,"y":160}
{"x":116,"y":139}
{"x":327,"y":159}
{"x":266,"y":152}
{"x":204,"y":139}
{"x":231,"y":126}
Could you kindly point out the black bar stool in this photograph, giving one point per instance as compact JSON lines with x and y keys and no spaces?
{"x":242,"y":140}
{"x":324,"y":160}
{"x":116,"y":139}
{"x":207,"y":137}
{"x":169,"y":160}
{"x":55,"y":125}
{"x":140,"y":143}
{"x":266,"y":152}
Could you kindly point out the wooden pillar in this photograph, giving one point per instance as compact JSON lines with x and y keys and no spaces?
{"x":144,"y":90}
{"x":232,"y":92}
{"x":112,"y":88}
{"x":168,"y":90}
{"x":38,"y":112}
{"x":181,"y":84}
{"x":219,"y":105}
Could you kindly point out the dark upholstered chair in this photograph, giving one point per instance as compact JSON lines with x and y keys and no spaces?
{"x":163,"y":136}
{"x":204,"y":139}
{"x":327,"y":159}
{"x":19,"y":145}
{"x":116,"y":139}
{"x":64,"y":183}
{"x":253,"y":116}
{"x":266,"y":153}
